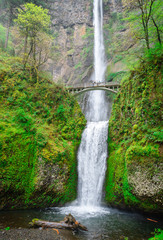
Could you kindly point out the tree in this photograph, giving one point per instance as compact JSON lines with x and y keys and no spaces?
{"x":9,"y":7}
{"x":10,"y":11}
{"x":33,"y":24}
{"x":157,"y":19}
{"x":144,"y":12}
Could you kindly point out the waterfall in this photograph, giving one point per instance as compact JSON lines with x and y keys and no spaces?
{"x":92,"y":152}
{"x":99,"y":51}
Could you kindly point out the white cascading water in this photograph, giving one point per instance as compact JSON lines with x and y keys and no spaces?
{"x":92,"y":152}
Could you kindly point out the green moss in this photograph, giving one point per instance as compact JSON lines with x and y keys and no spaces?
{"x":70,"y":52}
{"x":40,"y":129}
{"x":135,"y":134}
{"x":114,"y":176}
{"x":78,"y":65}
{"x":114,"y":76}
{"x":71,"y":187}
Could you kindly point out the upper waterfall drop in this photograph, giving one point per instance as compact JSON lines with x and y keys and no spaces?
{"x":92,"y":152}
{"x":99,"y":50}
{"x":97,"y":109}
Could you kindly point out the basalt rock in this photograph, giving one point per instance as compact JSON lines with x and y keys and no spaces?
{"x":72,"y":24}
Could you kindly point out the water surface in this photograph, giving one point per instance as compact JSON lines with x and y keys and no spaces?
{"x":102,"y":222}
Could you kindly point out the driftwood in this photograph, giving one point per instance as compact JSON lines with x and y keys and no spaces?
{"x":69,"y":222}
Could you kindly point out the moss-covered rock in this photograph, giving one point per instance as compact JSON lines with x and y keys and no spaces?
{"x":135,"y":164}
{"x":40,"y":130}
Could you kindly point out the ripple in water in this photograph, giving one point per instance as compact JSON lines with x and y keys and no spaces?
{"x":85,"y":212}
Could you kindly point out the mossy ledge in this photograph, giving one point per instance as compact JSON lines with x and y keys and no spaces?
{"x":135,"y":163}
{"x":40,"y":131}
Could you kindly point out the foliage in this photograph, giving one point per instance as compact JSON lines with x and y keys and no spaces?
{"x":32,"y":19}
{"x":33,"y":24}
{"x":120,"y":53}
{"x":40,"y":128}
{"x":8,"y":228}
{"x":145,"y":19}
{"x":9,"y":13}
{"x":112,"y":36}
{"x":18,"y":3}
{"x":113,"y":76}
{"x":2,"y":36}
{"x":129,"y":33}
{"x":158,"y":235}
{"x":135,"y":131}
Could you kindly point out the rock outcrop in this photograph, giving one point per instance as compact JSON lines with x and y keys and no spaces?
{"x":72,"y":23}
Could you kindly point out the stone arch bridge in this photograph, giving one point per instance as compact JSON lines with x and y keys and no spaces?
{"x":86,"y":87}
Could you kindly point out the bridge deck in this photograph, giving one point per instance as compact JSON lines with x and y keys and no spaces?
{"x":79,"y":89}
{"x":94,"y":85}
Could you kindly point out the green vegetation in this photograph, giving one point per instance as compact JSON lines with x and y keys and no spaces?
{"x":129,"y":33}
{"x":40,"y":129}
{"x":135,"y":128}
{"x":33,"y":24}
{"x":10,"y":48}
{"x":136,"y":136}
{"x":2,"y":36}
{"x":158,"y":235}
{"x":117,"y":76}
{"x":40,"y":123}
{"x":9,"y":13}
{"x":145,"y":20}
{"x":88,"y":49}
{"x":119,"y":52}
{"x":113,"y":39}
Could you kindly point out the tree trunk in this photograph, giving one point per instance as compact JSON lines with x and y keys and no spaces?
{"x":147,"y":38}
{"x":69,"y":222}
{"x":157,"y":29}
{"x":7,"y":36}
{"x":8,"y":32}
{"x":8,"y":25}
{"x":30,"y":51}
{"x":25,"y":49}
{"x":34,"y":51}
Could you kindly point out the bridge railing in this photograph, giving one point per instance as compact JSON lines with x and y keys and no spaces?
{"x":93,"y":84}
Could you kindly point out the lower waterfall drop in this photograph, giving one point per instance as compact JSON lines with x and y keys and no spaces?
{"x":92,"y":163}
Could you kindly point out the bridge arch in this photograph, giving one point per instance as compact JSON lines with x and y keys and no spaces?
{"x":86,"y":87}
{"x":77,"y":93}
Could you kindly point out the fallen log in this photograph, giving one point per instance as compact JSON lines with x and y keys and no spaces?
{"x":69,"y":222}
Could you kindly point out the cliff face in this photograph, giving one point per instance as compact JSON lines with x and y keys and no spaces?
{"x":73,"y":30}
{"x":71,"y":20}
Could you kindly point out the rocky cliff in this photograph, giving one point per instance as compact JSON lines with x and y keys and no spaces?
{"x":71,"y":20}
{"x":72,"y":23}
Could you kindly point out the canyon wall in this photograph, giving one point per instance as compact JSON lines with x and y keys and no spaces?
{"x":72,"y":24}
